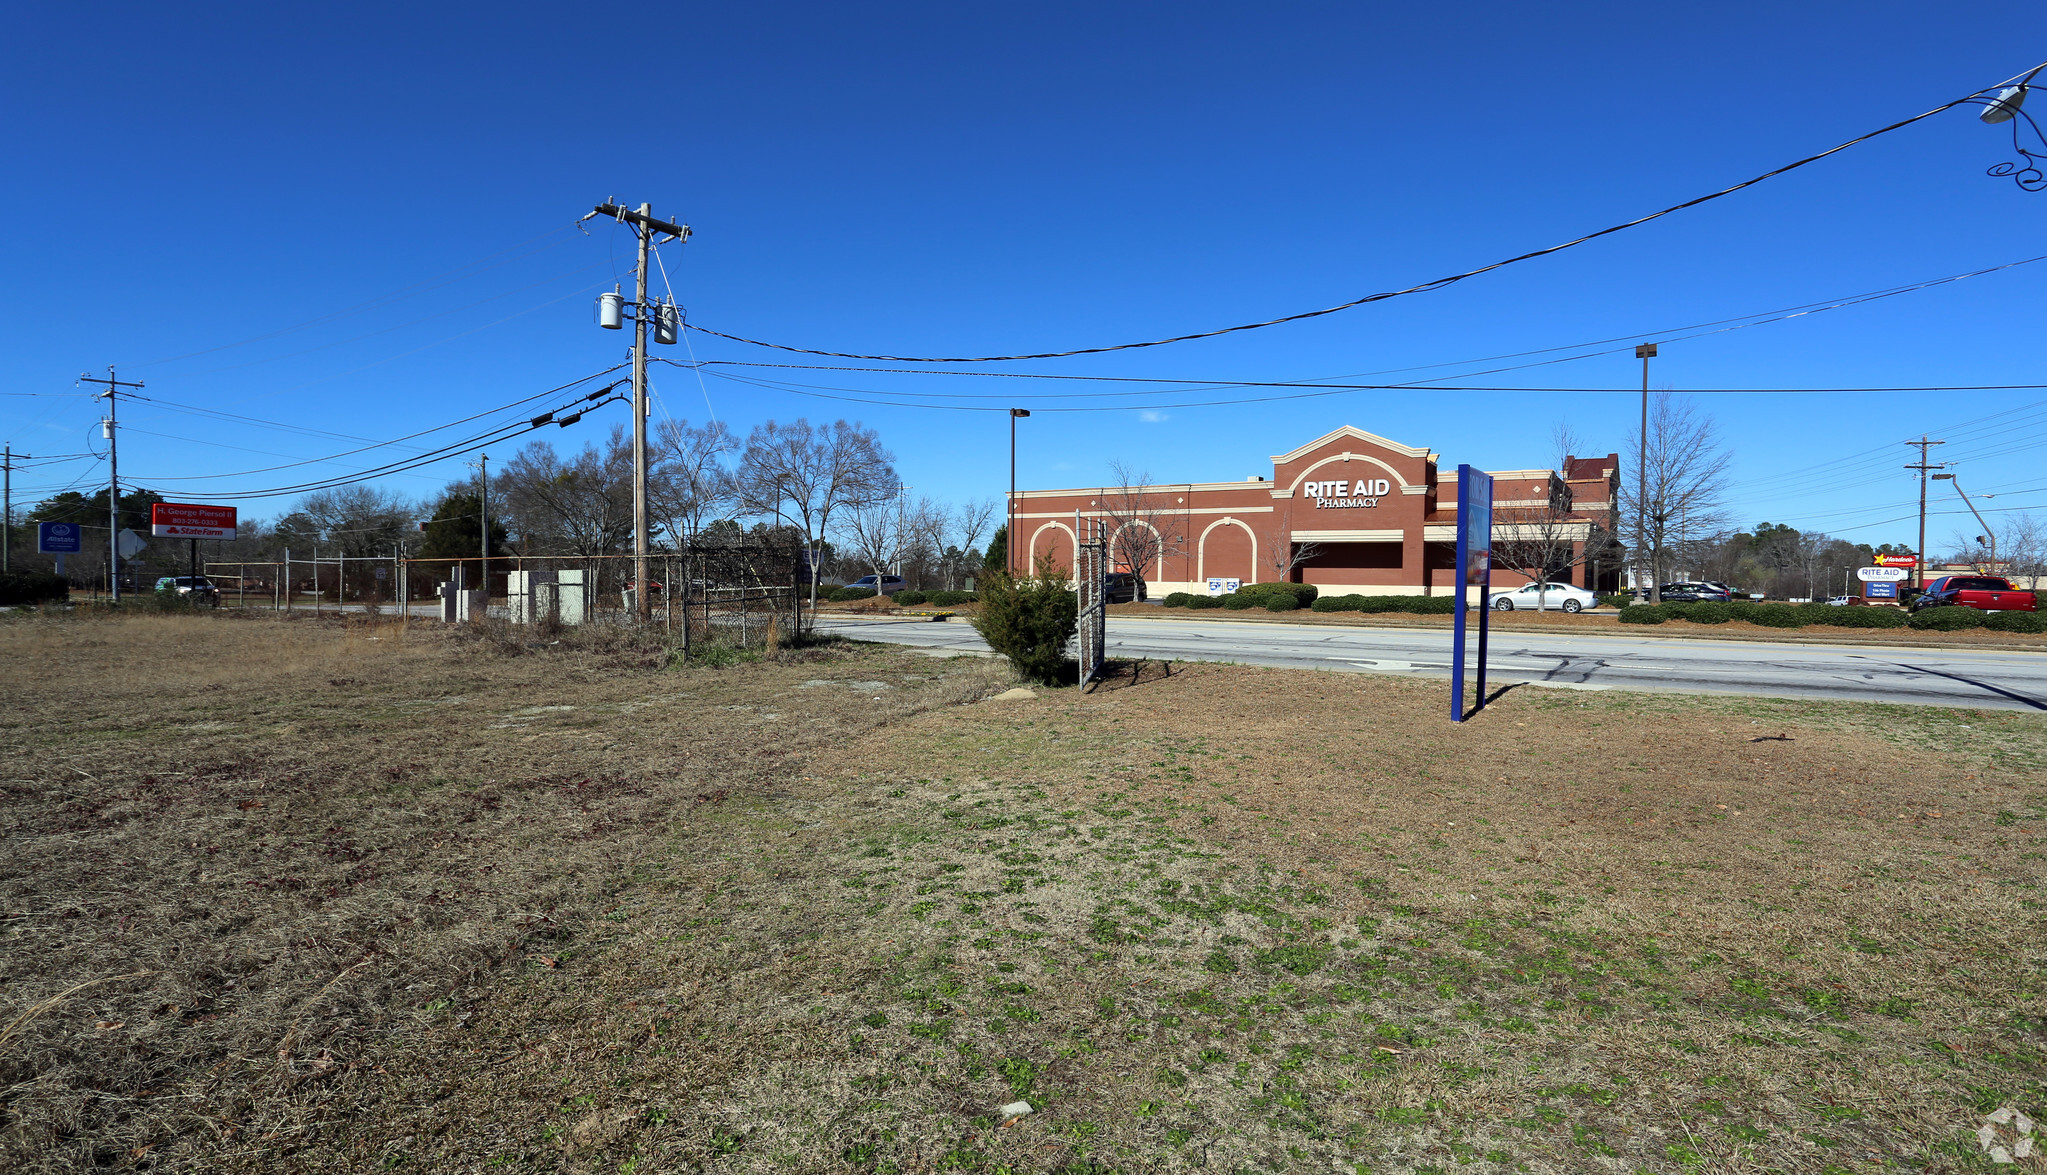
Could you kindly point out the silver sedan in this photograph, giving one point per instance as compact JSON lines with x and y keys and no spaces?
{"x":1535,"y":597}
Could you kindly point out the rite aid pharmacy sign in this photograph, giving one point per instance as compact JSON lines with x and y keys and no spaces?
{"x":1882,"y":574}
{"x":1338,"y":495}
{"x":59,"y":538}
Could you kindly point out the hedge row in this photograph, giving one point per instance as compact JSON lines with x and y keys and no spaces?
{"x":1422,"y":605}
{"x":1826,"y":615}
{"x":1273,"y":597}
{"x":942,"y":599}
{"x":32,"y":587}
{"x":846,"y":594}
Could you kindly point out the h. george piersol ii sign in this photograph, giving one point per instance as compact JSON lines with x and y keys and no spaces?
{"x":181,"y":520}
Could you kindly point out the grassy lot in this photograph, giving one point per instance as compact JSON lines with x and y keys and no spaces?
{"x":351,"y":899}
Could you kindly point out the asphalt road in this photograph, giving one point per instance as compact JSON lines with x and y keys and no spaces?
{"x":1988,"y":678}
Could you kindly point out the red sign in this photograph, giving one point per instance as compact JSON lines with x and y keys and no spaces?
{"x":1897,"y":560}
{"x":181,"y":521}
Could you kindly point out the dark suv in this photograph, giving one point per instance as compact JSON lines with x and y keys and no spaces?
{"x":1694,"y":592}
{"x":1122,"y":587}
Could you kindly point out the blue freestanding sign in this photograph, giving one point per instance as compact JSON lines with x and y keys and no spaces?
{"x":59,"y":538}
{"x":1474,"y":569}
{"x":1879,"y":590}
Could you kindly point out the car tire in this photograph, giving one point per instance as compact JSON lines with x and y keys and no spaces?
{"x":1573,"y":606}
{"x":1504,"y":606}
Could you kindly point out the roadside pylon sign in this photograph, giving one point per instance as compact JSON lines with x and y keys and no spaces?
{"x":180,"y":520}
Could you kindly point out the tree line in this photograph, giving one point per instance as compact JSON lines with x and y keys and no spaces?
{"x":832,"y":487}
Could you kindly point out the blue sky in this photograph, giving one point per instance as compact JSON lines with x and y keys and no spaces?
{"x":946,"y":179}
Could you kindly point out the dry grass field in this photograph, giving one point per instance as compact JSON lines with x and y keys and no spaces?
{"x":294,"y":896}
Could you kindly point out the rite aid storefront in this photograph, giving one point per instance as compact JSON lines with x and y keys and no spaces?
{"x":1370,"y":511}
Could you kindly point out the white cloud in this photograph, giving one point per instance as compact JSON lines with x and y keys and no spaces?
{"x":1152,"y":416}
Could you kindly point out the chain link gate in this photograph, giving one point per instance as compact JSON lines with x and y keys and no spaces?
{"x":1091,"y":580}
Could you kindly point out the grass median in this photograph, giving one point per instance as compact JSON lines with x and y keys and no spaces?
{"x":831,"y":911}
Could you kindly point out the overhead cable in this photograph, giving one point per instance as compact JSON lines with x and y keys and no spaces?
{"x":1423,"y":287}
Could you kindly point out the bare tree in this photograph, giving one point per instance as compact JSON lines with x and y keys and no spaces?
{"x":1284,"y":557}
{"x":1685,"y":489}
{"x":690,"y":484}
{"x":1547,"y":539}
{"x":1145,"y":525}
{"x":2022,"y":548}
{"x":964,"y":528}
{"x":804,"y":475}
{"x":359,"y":519}
{"x":582,"y":506}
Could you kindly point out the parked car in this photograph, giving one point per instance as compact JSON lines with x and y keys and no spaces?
{"x":1841,"y":601}
{"x":1691,"y":591}
{"x":198,"y":587}
{"x":1986,"y":592}
{"x":1535,"y":597}
{"x":886,"y":585}
{"x":1123,"y":587}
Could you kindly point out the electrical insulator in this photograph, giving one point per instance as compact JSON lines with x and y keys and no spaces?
{"x":668,"y":324}
{"x":611,"y":311}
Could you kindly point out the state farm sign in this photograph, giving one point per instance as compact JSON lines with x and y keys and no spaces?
{"x":1339,"y":495}
{"x":184,"y":521}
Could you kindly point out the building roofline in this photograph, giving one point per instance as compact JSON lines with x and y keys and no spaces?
{"x":1354,"y":433}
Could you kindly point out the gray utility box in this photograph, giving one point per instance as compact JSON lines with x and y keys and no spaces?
{"x":539,"y":596}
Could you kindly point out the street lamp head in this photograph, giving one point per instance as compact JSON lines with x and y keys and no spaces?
{"x":2005,"y":106}
{"x":1019,"y":412}
{"x":1943,"y":477}
{"x":1645,"y":350}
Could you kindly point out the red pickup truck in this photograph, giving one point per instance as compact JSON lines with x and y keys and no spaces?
{"x":1985,"y":592}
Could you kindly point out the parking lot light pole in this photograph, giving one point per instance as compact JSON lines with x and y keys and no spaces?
{"x":1645,"y":352}
{"x":1009,"y":544}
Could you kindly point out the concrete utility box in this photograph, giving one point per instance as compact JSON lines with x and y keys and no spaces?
{"x":531,"y":596}
{"x":571,"y":597}
{"x":470,"y":606}
{"x":448,"y":592}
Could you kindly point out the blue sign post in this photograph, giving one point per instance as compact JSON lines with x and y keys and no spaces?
{"x":1474,"y":569}
{"x":59,"y":538}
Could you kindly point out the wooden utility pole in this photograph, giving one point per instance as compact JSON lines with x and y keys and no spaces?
{"x":7,"y":494}
{"x":114,"y":387}
{"x":646,"y":228}
{"x":1919,"y":562}
{"x":1645,"y":352}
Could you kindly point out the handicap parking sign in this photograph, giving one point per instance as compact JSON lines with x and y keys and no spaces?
{"x":59,"y":538}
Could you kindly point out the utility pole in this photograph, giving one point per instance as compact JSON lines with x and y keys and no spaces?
{"x":646,"y":228}
{"x":1919,"y":560}
{"x":7,"y":494}
{"x":483,"y":516}
{"x":113,"y":391}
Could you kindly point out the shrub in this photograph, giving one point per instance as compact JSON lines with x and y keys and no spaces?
{"x":1350,"y":603}
{"x":1238,"y":601}
{"x":1420,"y":605}
{"x":1866,"y":617}
{"x":1645,"y":613}
{"x":1029,"y":621}
{"x":1204,"y":601}
{"x":1777,"y":615}
{"x":908,"y":598}
{"x":1178,"y":599}
{"x":948,"y":599}
{"x":847,"y":594}
{"x":1947,"y":618}
{"x":33,"y":587}
{"x":1708,"y":612}
{"x":1281,"y":602}
{"x":2007,"y":621}
{"x":1615,"y":600}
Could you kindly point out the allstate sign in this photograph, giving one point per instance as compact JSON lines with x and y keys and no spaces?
{"x":59,"y":538}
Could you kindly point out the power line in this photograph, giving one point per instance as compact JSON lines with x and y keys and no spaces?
{"x":1423,"y":287}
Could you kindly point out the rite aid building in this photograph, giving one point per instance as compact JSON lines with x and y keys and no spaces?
{"x":1378,"y":516}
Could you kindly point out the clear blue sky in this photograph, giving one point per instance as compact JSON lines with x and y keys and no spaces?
{"x":948,"y":179}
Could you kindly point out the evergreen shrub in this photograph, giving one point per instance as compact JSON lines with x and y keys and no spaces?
{"x":1947,"y":618}
{"x":1645,"y":613}
{"x":33,"y":587}
{"x":2006,"y":621}
{"x":1030,"y":620}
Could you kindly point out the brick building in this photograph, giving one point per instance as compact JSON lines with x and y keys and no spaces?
{"x":1348,"y":512}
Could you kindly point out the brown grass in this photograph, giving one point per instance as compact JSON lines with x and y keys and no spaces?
{"x":1218,"y":917}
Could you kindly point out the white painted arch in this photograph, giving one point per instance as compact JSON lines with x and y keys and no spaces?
{"x":1201,"y":560}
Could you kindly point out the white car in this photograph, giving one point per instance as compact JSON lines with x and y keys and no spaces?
{"x":1535,"y":597}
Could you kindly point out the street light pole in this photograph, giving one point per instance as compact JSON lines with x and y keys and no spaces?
{"x":1645,"y":352}
{"x":1988,"y":533}
{"x":1919,"y":558}
{"x":1009,"y":544}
